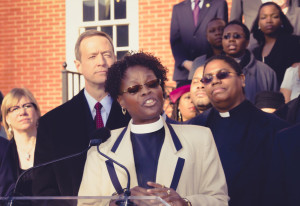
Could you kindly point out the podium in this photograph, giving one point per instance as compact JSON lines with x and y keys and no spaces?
{"x":79,"y":201}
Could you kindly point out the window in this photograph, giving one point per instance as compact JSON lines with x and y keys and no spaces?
{"x":118,"y":18}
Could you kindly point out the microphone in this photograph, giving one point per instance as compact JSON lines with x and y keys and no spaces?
{"x":127,"y":193}
{"x":98,"y":136}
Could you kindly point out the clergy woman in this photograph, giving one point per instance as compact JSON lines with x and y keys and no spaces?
{"x":243,"y":133}
{"x":178,"y":163}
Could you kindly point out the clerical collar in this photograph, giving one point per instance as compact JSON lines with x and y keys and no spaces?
{"x":235,"y":110}
{"x":146,"y":128}
{"x":224,"y":114}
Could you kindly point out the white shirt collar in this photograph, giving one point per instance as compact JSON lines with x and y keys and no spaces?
{"x":106,"y":105}
{"x":146,"y":128}
{"x":264,"y":1}
{"x":193,"y":4}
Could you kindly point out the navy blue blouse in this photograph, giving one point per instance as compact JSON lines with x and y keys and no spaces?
{"x":146,"y":151}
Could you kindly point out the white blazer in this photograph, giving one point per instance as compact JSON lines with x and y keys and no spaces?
{"x":188,"y":162}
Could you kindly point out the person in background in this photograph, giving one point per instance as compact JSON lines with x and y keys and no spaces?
{"x":4,"y":189}
{"x":247,"y":10}
{"x":214,"y":33}
{"x":269,"y":101}
{"x":290,"y":111}
{"x":68,"y":128}
{"x":2,"y":132}
{"x":20,"y":112}
{"x":283,"y":180}
{"x":290,"y":86}
{"x":169,"y":161}
{"x":258,"y":76}
{"x":277,"y":48}
{"x":183,"y":107}
{"x":187,"y":33}
{"x":198,"y":94}
{"x":243,"y":133}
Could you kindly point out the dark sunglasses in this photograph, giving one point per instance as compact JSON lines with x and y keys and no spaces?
{"x":222,"y":74}
{"x":234,"y":36}
{"x":136,"y":88}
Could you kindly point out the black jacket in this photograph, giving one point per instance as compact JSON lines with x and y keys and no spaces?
{"x":63,"y":131}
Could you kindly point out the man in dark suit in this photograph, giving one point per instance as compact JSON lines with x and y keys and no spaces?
{"x":188,"y":35}
{"x":282,"y":188}
{"x":68,"y":128}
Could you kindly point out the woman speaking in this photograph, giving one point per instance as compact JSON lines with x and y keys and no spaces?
{"x":178,"y":163}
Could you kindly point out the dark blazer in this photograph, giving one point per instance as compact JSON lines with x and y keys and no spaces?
{"x":6,"y":177}
{"x":63,"y":131}
{"x":245,"y":146}
{"x":187,"y":41}
{"x":282,"y":187}
{"x":10,"y":170}
{"x":284,"y":53}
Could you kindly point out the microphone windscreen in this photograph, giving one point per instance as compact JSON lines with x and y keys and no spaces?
{"x":100,"y":135}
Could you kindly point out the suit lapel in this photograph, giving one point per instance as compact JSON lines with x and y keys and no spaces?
{"x":188,"y":13}
{"x":170,"y":165}
{"x":116,"y":119}
{"x":122,"y":152}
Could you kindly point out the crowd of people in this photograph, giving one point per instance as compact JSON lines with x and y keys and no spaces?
{"x":233,"y":136}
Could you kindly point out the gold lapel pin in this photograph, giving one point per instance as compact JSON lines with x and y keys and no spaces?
{"x":207,"y":5}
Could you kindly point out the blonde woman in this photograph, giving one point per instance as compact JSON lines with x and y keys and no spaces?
{"x":20,"y":113}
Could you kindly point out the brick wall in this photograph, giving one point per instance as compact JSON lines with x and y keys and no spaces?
{"x":32,"y":48}
{"x":32,"y":44}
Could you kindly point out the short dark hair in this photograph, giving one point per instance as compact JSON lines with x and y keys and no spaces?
{"x":117,"y":71}
{"x":86,"y":34}
{"x":244,"y":27}
{"x":286,"y":24}
{"x":232,"y":63}
{"x":214,"y":19}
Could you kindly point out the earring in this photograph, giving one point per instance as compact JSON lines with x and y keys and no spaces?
{"x":123,"y":111}
{"x":281,"y":25}
{"x":179,"y":116}
{"x":258,"y":27}
{"x":10,"y":131}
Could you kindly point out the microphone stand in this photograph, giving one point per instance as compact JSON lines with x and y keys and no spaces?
{"x":45,"y":164}
{"x":93,"y":142}
{"x":127,"y":193}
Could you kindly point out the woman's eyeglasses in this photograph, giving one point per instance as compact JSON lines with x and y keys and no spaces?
{"x":222,"y":74}
{"x":136,"y":88}
{"x":234,"y":36}
{"x":16,"y":109}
